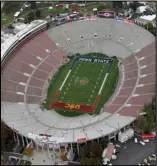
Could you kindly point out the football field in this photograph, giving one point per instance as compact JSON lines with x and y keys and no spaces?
{"x":83,"y":84}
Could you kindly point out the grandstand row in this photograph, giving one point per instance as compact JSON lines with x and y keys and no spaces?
{"x":34,"y":56}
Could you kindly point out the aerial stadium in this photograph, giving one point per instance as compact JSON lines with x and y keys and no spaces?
{"x":76,"y":82}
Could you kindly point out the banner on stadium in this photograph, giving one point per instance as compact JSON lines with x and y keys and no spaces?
{"x":46,"y":138}
{"x":81,"y":139}
{"x":107,"y":14}
{"x":97,"y":60}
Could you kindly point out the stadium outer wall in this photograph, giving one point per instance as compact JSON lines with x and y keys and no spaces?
{"x":7,"y":55}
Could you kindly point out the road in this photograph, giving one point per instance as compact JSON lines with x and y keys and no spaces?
{"x":133,"y":154}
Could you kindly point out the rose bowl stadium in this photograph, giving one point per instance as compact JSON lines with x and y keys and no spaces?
{"x":77,"y":82}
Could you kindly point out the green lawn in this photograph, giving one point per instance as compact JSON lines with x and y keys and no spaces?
{"x":8,"y":11}
{"x":74,"y":92}
{"x":109,"y":86}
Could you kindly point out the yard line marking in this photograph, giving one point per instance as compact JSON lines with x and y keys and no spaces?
{"x":103,"y":84}
{"x":65,"y":80}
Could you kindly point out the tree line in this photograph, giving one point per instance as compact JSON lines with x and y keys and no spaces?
{"x":146,"y":122}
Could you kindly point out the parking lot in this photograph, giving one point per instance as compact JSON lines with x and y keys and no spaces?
{"x":133,"y":154}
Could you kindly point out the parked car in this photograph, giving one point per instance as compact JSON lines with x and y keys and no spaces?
{"x":153,"y":158}
{"x":142,"y":143}
{"x":146,"y":140}
{"x":135,"y":140}
{"x":81,"y":5}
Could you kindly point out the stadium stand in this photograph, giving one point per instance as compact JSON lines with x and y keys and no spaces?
{"x":27,"y":71}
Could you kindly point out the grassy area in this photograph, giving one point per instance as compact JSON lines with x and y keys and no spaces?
{"x":8,"y":11}
{"x":6,"y":18}
{"x":56,"y":83}
{"x":80,"y":94}
{"x":109,"y":86}
{"x":84,"y":94}
{"x":47,"y":12}
{"x":89,"y":6}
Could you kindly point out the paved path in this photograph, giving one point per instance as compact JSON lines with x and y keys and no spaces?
{"x":134,"y":154}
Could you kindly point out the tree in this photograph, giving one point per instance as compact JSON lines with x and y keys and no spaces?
{"x":149,"y":26}
{"x":33,"y":5}
{"x":90,"y":161}
{"x":22,"y":162}
{"x":101,"y":7}
{"x":134,"y":5}
{"x":31,"y":16}
{"x":28,"y":163}
{"x":93,"y":154}
{"x":83,"y":151}
{"x":10,"y":6}
{"x":38,"y":14}
{"x":81,"y":14}
{"x":95,"y":149}
{"x":147,"y":122}
{"x":5,"y":134}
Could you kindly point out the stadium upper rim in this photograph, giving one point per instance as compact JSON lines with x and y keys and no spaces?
{"x":24,"y":78}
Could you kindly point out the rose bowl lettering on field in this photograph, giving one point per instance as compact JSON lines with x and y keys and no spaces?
{"x":97,"y":60}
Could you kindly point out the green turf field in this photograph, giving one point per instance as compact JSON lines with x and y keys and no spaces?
{"x":75,"y":92}
{"x":92,"y":75}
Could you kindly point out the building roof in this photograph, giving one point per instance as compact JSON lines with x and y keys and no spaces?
{"x":149,"y":17}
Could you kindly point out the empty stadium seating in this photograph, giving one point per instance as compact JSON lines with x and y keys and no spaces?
{"x":25,"y":76}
